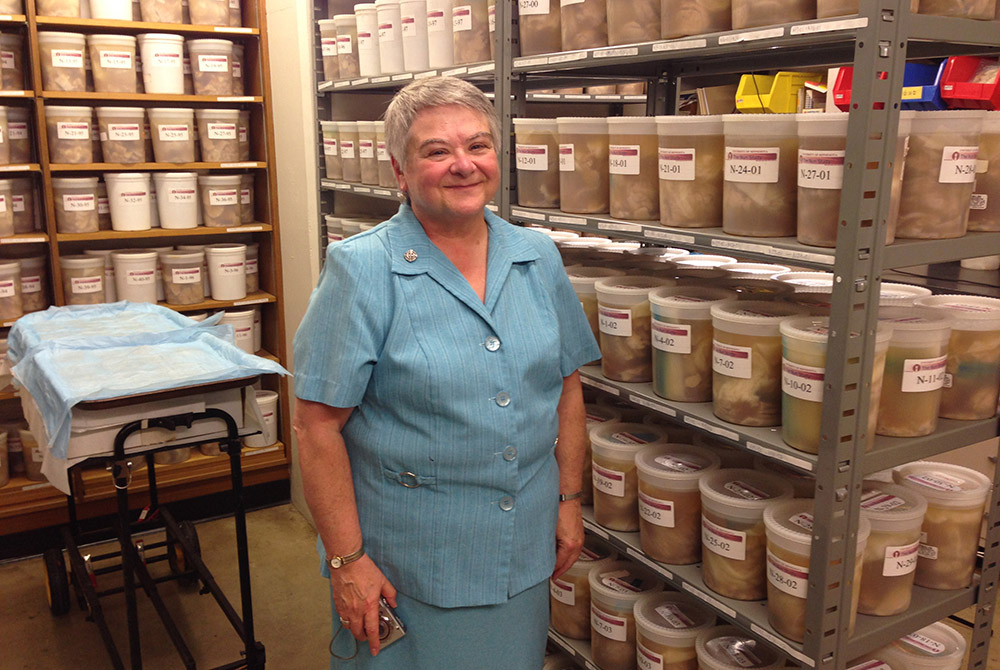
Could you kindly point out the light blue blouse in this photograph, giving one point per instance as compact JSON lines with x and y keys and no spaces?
{"x":452,"y":439}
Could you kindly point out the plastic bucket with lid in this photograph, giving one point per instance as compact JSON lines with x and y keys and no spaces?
{"x":973,"y":356}
{"x":984,"y":212}
{"x":121,"y":133}
{"x":347,"y":45}
{"x":220,"y":200}
{"x":940,"y":174}
{"x":900,"y":295}
{"x":62,"y":61}
{"x":366,"y":153}
{"x":268,"y":403}
{"x":331,"y":152}
{"x":205,"y":283}
{"x":690,"y":162}
{"x":177,"y":199}
{"x":34,"y":283}
{"x":162,"y":62}
{"x":633,"y":184}
{"x":667,"y":625}
{"x":539,"y":28}
{"x":128,"y":196}
{"x":209,"y":12}
{"x":83,"y":279}
{"x":789,"y":526}
{"x":328,"y":47}
{"x":390,"y":36}
{"x":113,"y":59}
{"x":19,"y":134}
{"x":614,"y":590}
{"x":746,"y":360}
{"x":915,"y":369}
{"x":218,"y":134}
{"x":896,"y":514}
{"x":704,"y":261}
{"x":181,"y":272}
{"x":956,"y":499}
{"x":10,"y":290}
{"x":934,"y":647}
{"x":624,"y":323}
{"x":729,"y":648}
{"x":759,"y":190}
{"x":68,"y":130}
{"x":741,"y":270}
{"x":822,"y":147}
{"x":227,"y":271}
{"x":135,"y":274}
{"x":349,"y":157}
{"x":368,"y":39}
{"x":670,"y":502}
{"x":75,"y":204}
{"x":116,"y":10}
{"x":211,"y":66}
{"x":33,"y":456}
{"x":173,"y":134}
{"x":583,"y":157}
{"x":682,"y":341}
{"x":413,"y":17}
{"x":803,"y":370}
{"x":242,"y":322}
{"x":537,"y":162}
{"x":12,"y":77}
{"x":471,"y":32}
{"x":615,"y":478}
{"x":110,"y":293}
{"x":253,"y":266}
{"x":440,"y":48}
{"x":596,"y":414}
{"x":569,"y":594}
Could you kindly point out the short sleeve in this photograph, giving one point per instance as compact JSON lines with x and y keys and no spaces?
{"x":342,"y":334}
{"x":577,"y":339}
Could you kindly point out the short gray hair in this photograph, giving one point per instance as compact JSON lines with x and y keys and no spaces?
{"x":428,"y":93}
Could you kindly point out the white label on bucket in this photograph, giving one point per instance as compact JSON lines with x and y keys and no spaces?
{"x":677,"y":164}
{"x":928,"y":551}
{"x":366,"y":42}
{"x":730,"y":360}
{"x":675,"y":617}
{"x":347,"y":148}
{"x":221,"y":131}
{"x":173,"y":133}
{"x":655,"y":511}
{"x":251,"y":266}
{"x":180,"y":195}
{"x":80,"y":202}
{"x":461,"y":18}
{"x":185,"y":275}
{"x":17,"y":130}
{"x":140,"y":277}
{"x":877,"y":501}
{"x":386,"y":32}
{"x":610,"y":626}
{"x":923,"y":374}
{"x":802,"y":381}
{"x":609,"y":481}
{"x":7,"y":60}
{"x":245,"y":197}
{"x":329,"y":147}
{"x":345,"y":44}
{"x":329,"y":46}
{"x":7,"y":289}
{"x":124,"y":132}
{"x":623,"y":159}
{"x":72,"y":130}
{"x":924,"y":644}
{"x":567,"y":158}
{"x":86,"y":285}
{"x":803,"y":520}
{"x":235,"y":268}
{"x":900,"y":560}
{"x":167,"y":58}
{"x":674,"y":338}
{"x":939,"y":481}
{"x":366,"y":149}
{"x":787,"y":577}
{"x":958,"y":165}
{"x":533,"y":7}
{"x":381,"y":151}
{"x":67,"y":58}
{"x":563,"y":592}
{"x":243,"y":334}
{"x":615,"y":321}
{"x":31,"y":284}
{"x":223,"y":197}
{"x":103,"y":206}
{"x":213,"y":63}
{"x":134,"y":197}
{"x":17,"y":203}
{"x":731,"y":544}
{"x":821,"y":169}
{"x":532,"y":157}
{"x":409,"y":25}
{"x":436,"y":21}
{"x":752,"y":165}
{"x":115,"y":60}
{"x":36,"y":454}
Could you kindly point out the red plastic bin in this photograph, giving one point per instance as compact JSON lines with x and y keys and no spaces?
{"x":958,"y":91}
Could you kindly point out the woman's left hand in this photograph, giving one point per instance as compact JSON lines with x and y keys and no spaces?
{"x":569,"y":535}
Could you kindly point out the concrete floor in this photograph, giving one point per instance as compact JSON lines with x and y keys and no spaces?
{"x":291,"y":606}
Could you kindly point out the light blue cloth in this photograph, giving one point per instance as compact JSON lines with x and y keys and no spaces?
{"x":458,"y":392}
{"x":73,"y":322}
{"x":60,"y":374}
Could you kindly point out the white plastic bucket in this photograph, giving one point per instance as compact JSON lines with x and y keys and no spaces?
{"x":173,"y":134}
{"x":667,"y":626}
{"x":220,"y":200}
{"x":115,"y":10}
{"x":218,"y":134}
{"x":413,"y":18}
{"x":614,"y":589}
{"x":113,"y":60}
{"x":162,"y":62}
{"x":181,"y":272}
{"x":206,"y":285}
{"x":440,"y":45}
{"x":62,"y":61}
{"x":390,"y":36}
{"x":177,"y":199}
{"x":211,"y":66}
{"x":368,"y":47}
{"x":83,"y":279}
{"x":268,"y":403}
{"x":75,"y":203}
{"x":128,"y":196}
{"x":135,"y":274}
{"x":110,"y":293}
{"x":242,"y":322}
{"x":227,"y":271}
{"x":347,"y":45}
{"x":121,"y":133}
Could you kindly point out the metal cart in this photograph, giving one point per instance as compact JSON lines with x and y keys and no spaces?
{"x":181,"y":545}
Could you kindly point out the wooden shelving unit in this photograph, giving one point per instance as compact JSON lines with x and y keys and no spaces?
{"x":26,"y":505}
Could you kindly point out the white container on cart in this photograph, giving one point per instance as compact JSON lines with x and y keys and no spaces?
{"x":369,"y":64}
{"x":413,"y":21}
{"x":390,"y":36}
{"x":440,"y":46}
{"x":128,"y":196}
{"x":177,"y":199}
{"x":227,"y":271}
{"x":242,"y":322}
{"x":162,"y":62}
{"x":267,"y":401}
{"x":135,"y":274}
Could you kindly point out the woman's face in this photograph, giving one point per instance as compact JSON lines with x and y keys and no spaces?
{"x":451,"y":168}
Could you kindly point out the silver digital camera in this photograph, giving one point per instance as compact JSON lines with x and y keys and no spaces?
{"x":390,"y":626}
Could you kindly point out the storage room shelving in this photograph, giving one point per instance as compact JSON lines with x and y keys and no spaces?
{"x":877,"y":42}
{"x":25,"y":504}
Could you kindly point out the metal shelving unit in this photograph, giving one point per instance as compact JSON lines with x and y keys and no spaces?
{"x":877,"y":42}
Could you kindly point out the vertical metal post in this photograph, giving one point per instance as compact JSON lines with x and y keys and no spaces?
{"x":502,"y":92}
{"x":234,"y":448}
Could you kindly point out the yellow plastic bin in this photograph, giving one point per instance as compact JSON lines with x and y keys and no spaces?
{"x":777,"y":94}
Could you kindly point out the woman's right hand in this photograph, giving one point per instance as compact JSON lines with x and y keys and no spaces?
{"x":357,"y":587}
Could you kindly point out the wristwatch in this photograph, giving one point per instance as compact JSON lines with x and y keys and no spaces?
{"x":563,"y":497}
{"x":337,"y":562}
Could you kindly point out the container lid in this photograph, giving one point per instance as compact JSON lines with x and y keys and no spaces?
{"x":725,"y":647}
{"x":213,"y":44}
{"x":675,"y":462}
{"x":127,"y":176}
{"x":822,"y":125}
{"x":228,"y":114}
{"x":692,"y":302}
{"x":808,"y":282}
{"x":743,"y":489}
{"x":56,"y":36}
{"x":595,"y":552}
{"x":807,"y":328}
{"x":944,"y":484}
{"x":186,"y":112}
{"x":231,"y":249}
{"x":119,"y":111}
{"x":622,"y":582}
{"x":536,"y":124}
{"x":916,"y":323}
{"x":326,"y":22}
{"x":704,"y":261}
{"x":66,"y":110}
{"x":754,"y":312}
{"x":803,"y":483}
{"x":582,"y":125}
{"x":629,"y":285}
{"x":759,"y":124}
{"x":673,"y":619}
{"x":344,"y":18}
{"x":174,"y":176}
{"x":968,"y":312}
{"x":219,"y":180}
{"x":889,"y":504}
{"x":600,"y":414}
{"x":364,"y":7}
{"x":81,"y":261}
{"x":632,"y":125}
{"x":580,"y":242}
{"x":122,"y":40}
{"x":180,"y":257}
{"x":900,"y":295}
{"x":661,"y":253}
{"x":689,"y":125}
{"x":936,"y":646}
{"x":8,"y":266}
{"x":74,"y":182}
{"x":755,"y":288}
{"x":385,"y":3}
{"x":789,"y":524}
{"x":625,"y":439}
{"x":379,"y":126}
{"x":759,"y":270}
{"x":166,"y":37}
{"x":349,"y":127}
{"x":697,"y":275}
{"x":134,"y":254}
{"x":366,"y":127}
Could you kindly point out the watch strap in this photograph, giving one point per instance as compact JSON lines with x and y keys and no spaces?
{"x":563,"y":497}
{"x":337,"y":562}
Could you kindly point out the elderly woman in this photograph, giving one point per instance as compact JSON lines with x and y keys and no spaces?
{"x":440,"y":417}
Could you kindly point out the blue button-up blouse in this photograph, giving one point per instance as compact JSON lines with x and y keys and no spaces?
{"x":452,"y":440}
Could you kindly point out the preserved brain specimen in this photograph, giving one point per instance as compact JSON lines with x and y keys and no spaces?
{"x":161,"y":11}
{"x":694,"y":17}
{"x":122,"y":141}
{"x":982,"y":215}
{"x":764,"y":209}
{"x":538,"y":188}
{"x":755,"y":401}
{"x":220,"y":207}
{"x":974,"y":366}
{"x":742,"y":580}
{"x":209,"y":12}
{"x":754,"y":13}
{"x":472,"y":45}
{"x":108,"y":79}
{"x":614,"y":654}
{"x":69,"y":138}
{"x":973,"y":9}
{"x":584,"y":25}
{"x":819,"y":208}
{"x":631,"y":21}
{"x":885,"y":595}
{"x":953,"y":539}
{"x":617,"y":512}
{"x":211,"y":82}
{"x":636,"y":196}
{"x":686,"y":377}
{"x":224,"y":146}
{"x":907,"y":414}
{"x":181,"y":292}
{"x":698,"y":203}
{"x":929,"y":209}
{"x":62,"y":66}
{"x":629,"y":358}
{"x":680,"y":544}
{"x":540,"y":33}
{"x":584,"y":190}
{"x":674,"y":658}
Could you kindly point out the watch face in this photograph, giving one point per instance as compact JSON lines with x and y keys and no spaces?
{"x":336,"y":562}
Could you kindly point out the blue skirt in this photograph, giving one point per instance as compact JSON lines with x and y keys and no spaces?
{"x":490,"y":637}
